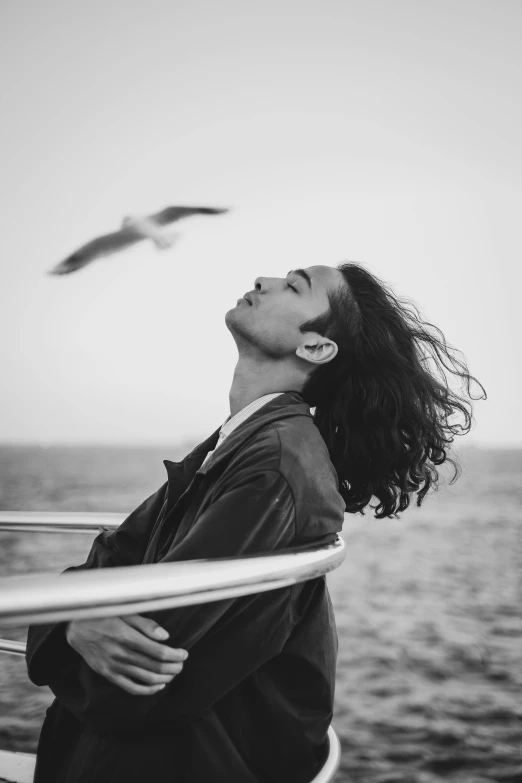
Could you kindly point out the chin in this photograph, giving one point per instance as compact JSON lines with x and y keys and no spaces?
{"x":232,"y":319}
{"x":230,"y":316}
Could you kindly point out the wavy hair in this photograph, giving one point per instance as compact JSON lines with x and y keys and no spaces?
{"x":384,"y":404}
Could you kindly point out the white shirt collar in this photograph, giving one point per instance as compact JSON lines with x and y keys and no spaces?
{"x":231,"y":423}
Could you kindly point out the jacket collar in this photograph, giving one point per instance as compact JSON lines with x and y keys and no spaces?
{"x":180,"y":474}
{"x":281,"y":407}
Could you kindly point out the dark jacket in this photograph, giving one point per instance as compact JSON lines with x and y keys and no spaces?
{"x":255,"y":697}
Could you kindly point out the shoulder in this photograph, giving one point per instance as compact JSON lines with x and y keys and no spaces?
{"x":305,"y":463}
{"x":301,"y":445}
{"x":301,"y":448}
{"x":294,"y":448}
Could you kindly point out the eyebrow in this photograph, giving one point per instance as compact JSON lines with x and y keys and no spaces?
{"x":304,"y":275}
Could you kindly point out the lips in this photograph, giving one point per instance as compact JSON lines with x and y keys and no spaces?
{"x":247,"y":299}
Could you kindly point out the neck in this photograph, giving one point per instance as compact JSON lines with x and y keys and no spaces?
{"x":253,"y":379}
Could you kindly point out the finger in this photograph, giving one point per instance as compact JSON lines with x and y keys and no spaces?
{"x":146,"y":676}
{"x":147,"y":626}
{"x":132,"y":687}
{"x":161,"y":652}
{"x":132,"y":657}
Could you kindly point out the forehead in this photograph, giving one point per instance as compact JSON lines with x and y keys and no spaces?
{"x":327,"y":277}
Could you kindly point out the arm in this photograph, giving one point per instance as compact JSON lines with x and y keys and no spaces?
{"x":227,"y":639}
{"x":48,"y":652}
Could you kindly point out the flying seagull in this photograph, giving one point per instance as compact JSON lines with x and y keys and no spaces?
{"x":133,"y":230}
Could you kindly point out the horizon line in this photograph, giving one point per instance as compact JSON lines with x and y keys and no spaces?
{"x":44,"y":444}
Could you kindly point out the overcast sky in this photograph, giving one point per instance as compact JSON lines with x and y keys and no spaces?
{"x":387,"y":133}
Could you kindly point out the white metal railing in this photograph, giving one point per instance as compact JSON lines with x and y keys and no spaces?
{"x":133,"y":589}
{"x":59,"y":521}
{"x":10,"y":646}
{"x":119,"y":591}
{"x":19,"y":767}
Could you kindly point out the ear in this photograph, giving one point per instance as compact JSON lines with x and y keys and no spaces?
{"x":317,"y":349}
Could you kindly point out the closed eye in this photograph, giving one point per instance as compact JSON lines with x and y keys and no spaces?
{"x":292,"y":287}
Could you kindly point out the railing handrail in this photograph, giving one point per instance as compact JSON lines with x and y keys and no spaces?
{"x":14,"y":648}
{"x":125,"y":590}
{"x":20,"y":767}
{"x":105,"y":592}
{"x":60,"y":521}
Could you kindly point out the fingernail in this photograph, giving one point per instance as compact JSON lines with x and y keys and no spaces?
{"x":161,"y":633}
{"x":185,"y":655}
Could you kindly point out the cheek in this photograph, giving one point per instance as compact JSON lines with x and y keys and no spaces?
{"x":281,"y":330}
{"x":273,"y":326}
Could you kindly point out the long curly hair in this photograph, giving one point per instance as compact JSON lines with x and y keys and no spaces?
{"x":384,"y":405}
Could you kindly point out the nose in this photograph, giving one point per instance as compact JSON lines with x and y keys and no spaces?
{"x":263,"y":284}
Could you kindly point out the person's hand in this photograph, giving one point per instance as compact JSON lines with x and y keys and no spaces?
{"x":126,"y":649}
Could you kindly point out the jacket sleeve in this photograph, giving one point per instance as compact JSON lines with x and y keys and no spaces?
{"x":49,"y":655}
{"x":227,"y":639}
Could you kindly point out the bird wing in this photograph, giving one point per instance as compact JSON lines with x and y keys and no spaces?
{"x":128,"y":235}
{"x":171,"y":214}
{"x":96,"y":248}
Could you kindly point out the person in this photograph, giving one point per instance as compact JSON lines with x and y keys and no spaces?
{"x":253,"y":700}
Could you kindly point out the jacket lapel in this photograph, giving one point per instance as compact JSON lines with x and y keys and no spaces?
{"x":281,"y":407}
{"x":185,"y":478}
{"x":181,"y":474}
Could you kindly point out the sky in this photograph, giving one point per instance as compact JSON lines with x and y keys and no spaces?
{"x":385,"y":132}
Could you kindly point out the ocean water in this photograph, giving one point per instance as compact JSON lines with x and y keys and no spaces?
{"x":428,"y":610}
